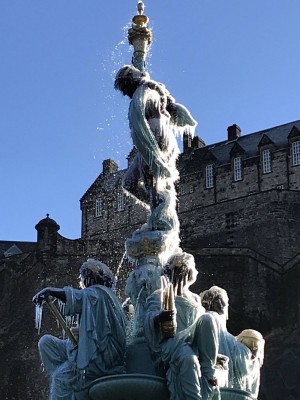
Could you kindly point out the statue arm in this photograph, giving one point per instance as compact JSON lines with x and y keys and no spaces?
{"x":44,"y":294}
{"x":180,"y":115}
{"x":74,"y":300}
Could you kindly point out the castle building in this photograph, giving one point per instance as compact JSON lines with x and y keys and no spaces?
{"x":238,"y":205}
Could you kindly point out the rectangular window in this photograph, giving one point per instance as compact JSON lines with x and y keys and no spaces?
{"x":209,"y":176}
{"x":99,"y":208}
{"x":237,"y":169}
{"x":121,"y":202}
{"x":191,"y":188}
{"x":230,"y":220}
{"x":182,"y":190}
{"x":296,"y":152}
{"x":266,"y":161}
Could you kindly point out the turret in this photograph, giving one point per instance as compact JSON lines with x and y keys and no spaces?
{"x":47,"y":230}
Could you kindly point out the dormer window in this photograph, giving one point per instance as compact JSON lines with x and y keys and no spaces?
{"x":266,"y":161}
{"x":237,"y":169}
{"x":121,"y":202}
{"x":99,"y":207}
{"x":296,"y":152}
{"x":209,"y":176}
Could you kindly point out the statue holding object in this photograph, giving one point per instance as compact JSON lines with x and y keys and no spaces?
{"x":102,"y":339}
{"x":183,"y":340}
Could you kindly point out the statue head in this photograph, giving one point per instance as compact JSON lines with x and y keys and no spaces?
{"x":128,"y":79}
{"x":182,"y":267}
{"x":215,"y":299}
{"x":254,"y":341}
{"x":94,"y":272}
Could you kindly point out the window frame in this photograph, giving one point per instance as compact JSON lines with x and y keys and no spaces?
{"x":98,"y":207}
{"x":120,"y":201}
{"x":230,"y":220}
{"x":209,"y":176}
{"x":296,"y":153}
{"x":266,"y":160}
{"x":237,"y":169}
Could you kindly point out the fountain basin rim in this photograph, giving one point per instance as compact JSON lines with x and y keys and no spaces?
{"x":129,"y":387}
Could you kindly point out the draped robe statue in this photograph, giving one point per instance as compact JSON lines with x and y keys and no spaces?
{"x":154,"y":120}
{"x":189,"y":357}
{"x":102,"y":339}
{"x":245,"y":352}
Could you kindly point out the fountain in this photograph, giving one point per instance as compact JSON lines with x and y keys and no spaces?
{"x":171,"y":331}
{"x":155,"y":119}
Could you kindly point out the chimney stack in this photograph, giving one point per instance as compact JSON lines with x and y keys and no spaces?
{"x":109,"y":167}
{"x":234,"y":132}
{"x":198,"y":143}
{"x":187,"y":142}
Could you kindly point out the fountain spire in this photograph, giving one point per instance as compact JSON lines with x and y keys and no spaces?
{"x":140,"y":37}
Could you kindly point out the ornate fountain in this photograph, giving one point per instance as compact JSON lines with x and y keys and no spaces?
{"x":172,"y":338}
{"x":151,"y":246}
{"x":154,"y":119}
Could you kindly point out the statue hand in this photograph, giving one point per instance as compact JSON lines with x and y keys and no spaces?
{"x":167,"y":322}
{"x":41,"y":296}
{"x":179,"y":282}
{"x":166,"y":315}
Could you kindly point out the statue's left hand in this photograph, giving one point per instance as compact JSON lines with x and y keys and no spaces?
{"x":41,"y":296}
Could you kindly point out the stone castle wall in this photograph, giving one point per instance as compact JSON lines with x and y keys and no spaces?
{"x":244,"y":236}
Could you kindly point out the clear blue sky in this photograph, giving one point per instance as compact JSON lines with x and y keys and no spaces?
{"x":233,"y":61}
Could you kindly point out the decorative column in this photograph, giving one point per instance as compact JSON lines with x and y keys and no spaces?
{"x":140,"y":37}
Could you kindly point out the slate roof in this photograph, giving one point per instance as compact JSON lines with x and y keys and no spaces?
{"x":249,"y":143}
{"x":8,"y":248}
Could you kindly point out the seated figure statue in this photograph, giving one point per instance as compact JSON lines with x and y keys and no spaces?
{"x":102,"y":339}
{"x":245,"y":352}
{"x":189,"y":354}
{"x":248,"y":360}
